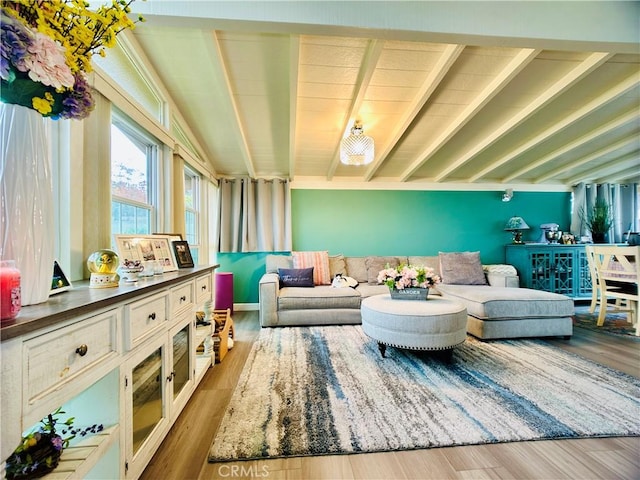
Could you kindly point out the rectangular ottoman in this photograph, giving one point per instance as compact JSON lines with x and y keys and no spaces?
{"x":504,"y":312}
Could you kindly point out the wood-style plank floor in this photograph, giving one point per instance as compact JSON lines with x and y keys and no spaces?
{"x":183,"y":454}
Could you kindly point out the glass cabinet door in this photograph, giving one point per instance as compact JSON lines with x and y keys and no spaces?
{"x":147,"y":382}
{"x":181,"y":360}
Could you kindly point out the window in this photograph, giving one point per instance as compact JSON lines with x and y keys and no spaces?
{"x":133,"y":174}
{"x":192,"y":211}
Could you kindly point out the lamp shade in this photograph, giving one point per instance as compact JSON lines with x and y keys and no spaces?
{"x":357,"y":148}
{"x":516,"y":223}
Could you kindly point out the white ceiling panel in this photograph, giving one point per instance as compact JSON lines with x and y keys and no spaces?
{"x":275,"y":99}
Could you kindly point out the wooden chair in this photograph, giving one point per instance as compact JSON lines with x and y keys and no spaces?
{"x":617,"y":274}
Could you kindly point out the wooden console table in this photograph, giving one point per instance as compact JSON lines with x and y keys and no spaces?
{"x":125,"y":357}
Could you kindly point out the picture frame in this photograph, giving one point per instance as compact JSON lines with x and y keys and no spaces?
{"x":182,"y":253}
{"x":146,"y":247}
{"x":59,"y":281}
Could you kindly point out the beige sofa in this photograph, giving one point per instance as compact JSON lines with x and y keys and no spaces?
{"x":496,"y":310}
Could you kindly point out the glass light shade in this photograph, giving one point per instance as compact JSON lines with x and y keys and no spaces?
{"x":357,"y":148}
{"x":516,"y":223}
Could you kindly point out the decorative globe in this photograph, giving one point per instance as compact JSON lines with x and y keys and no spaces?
{"x":103,"y":261}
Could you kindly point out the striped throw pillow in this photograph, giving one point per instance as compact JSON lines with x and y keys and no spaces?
{"x":320,"y":263}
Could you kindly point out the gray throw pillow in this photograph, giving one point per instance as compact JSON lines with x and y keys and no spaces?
{"x":274,"y":262}
{"x":462,"y":268}
{"x":296,"y":277}
{"x":375,"y":264}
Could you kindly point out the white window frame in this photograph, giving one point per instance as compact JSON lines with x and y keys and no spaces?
{"x":196,"y":209}
{"x":151,"y":146}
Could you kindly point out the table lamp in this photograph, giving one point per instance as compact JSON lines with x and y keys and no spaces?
{"x":515,"y":225}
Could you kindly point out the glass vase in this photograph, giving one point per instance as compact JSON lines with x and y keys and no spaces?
{"x":26,"y":200}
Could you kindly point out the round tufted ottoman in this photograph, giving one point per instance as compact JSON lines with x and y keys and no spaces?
{"x":435,"y":324}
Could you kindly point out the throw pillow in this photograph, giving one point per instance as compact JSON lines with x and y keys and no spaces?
{"x":375,"y":264}
{"x":318,"y":260}
{"x":337,"y":265}
{"x":462,"y":268}
{"x":296,"y":277}
{"x":274,"y":262}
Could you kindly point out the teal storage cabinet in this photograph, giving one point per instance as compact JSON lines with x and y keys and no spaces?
{"x":552,"y":267}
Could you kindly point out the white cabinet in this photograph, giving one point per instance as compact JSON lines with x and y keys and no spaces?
{"x":124,"y":357}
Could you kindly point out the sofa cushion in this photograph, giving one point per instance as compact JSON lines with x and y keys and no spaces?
{"x":367,"y":290}
{"x":274,"y":262}
{"x":296,"y":277}
{"x":320,"y":297}
{"x":462,"y":268}
{"x":375,"y":264}
{"x":356,"y":268}
{"x":428,"y":261}
{"x":318,"y":260}
{"x":337,"y":265}
{"x":496,"y":303}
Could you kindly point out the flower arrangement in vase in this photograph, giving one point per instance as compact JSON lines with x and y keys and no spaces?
{"x":47,"y":48}
{"x":39,"y":451}
{"x":45,"y":55}
{"x":409,"y":281}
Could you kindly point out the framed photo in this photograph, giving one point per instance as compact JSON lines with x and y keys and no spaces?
{"x":146,"y":247}
{"x":59,"y":282}
{"x":183,"y":254}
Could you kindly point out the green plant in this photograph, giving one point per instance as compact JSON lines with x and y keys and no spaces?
{"x":600,"y":218}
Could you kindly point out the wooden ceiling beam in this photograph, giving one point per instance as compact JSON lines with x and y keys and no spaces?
{"x":614,"y":92}
{"x":576,"y":74}
{"x":440,"y":69}
{"x":626,"y":163}
{"x":367,"y":69}
{"x":294,"y":72}
{"x":514,"y":67}
{"x":626,"y":175}
{"x":589,"y":158}
{"x":216,"y":56}
{"x":578,"y":142}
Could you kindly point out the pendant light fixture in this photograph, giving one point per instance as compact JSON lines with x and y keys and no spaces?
{"x":357,"y":148}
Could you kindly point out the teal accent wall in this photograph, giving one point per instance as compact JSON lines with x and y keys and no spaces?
{"x":406,"y":222}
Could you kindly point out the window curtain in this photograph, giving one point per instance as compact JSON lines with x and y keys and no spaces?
{"x":624,"y":202}
{"x":254,"y":216}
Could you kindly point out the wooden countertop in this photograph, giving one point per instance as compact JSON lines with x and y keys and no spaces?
{"x":82,"y":300}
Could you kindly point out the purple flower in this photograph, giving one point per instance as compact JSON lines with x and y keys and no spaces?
{"x":16,"y":40}
{"x":57,"y":443}
{"x":78,"y":102}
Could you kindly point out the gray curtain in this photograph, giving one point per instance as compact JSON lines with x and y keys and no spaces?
{"x":624,"y":202}
{"x":255,"y":215}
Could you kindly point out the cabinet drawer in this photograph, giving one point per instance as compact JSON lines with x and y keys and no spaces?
{"x":182,"y":298}
{"x":204,"y":288}
{"x":58,"y":356}
{"x":143,"y":318}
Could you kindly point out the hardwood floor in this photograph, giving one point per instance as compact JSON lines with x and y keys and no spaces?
{"x":183,"y":454}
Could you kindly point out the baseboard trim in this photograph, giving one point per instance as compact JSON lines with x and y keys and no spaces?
{"x":245,"y":307}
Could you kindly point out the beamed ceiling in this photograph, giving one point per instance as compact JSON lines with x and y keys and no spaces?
{"x":274,"y":99}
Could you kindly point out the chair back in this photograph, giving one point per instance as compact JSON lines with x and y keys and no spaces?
{"x":619,"y":264}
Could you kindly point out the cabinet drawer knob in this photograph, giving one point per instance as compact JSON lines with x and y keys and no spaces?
{"x":152,"y":316}
{"x":204,"y":287}
{"x":82,"y":350}
{"x":183,"y":299}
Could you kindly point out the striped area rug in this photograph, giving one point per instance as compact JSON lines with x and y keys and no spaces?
{"x":326,"y":390}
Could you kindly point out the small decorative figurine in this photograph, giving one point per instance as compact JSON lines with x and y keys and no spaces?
{"x":103,"y":266}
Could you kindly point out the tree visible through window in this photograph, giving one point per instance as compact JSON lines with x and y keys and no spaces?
{"x":131,"y":173}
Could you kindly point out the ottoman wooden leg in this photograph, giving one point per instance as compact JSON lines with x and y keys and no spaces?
{"x":445,"y":355}
{"x":383,"y":348}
